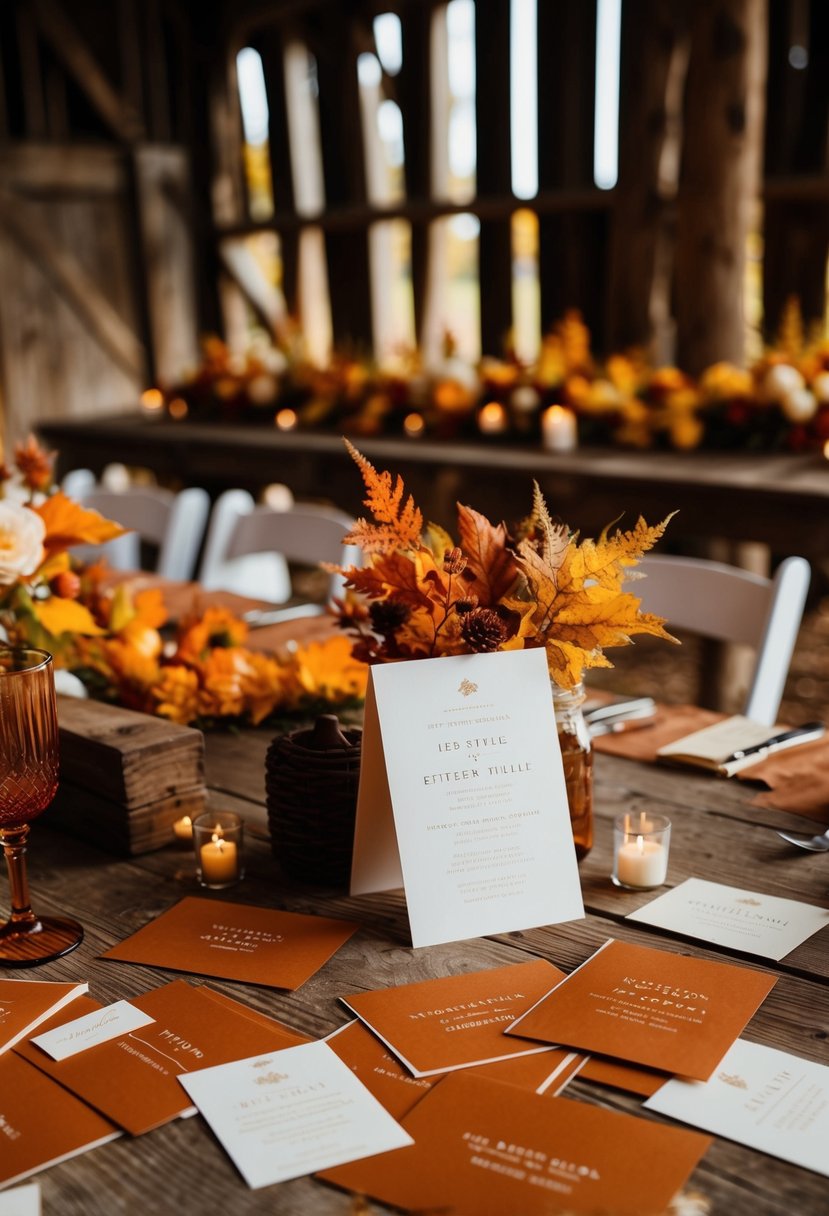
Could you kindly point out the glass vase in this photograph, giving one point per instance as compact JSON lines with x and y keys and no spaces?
{"x":577,"y":758}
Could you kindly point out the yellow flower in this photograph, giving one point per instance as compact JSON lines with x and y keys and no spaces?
{"x":217,"y":628}
{"x":686,"y":432}
{"x":326,"y":670}
{"x":177,"y":695}
{"x":723,"y":380}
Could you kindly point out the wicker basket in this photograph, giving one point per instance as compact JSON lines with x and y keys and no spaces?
{"x":311,"y":779}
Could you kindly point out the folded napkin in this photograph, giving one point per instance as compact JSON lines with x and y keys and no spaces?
{"x":796,"y":780}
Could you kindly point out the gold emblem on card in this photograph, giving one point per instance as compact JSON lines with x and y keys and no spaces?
{"x":732,"y":1079}
{"x":467,"y":688}
{"x":752,"y":903}
{"x":271,"y":1078}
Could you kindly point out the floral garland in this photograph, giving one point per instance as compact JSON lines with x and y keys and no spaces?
{"x":780,"y":402}
{"x":110,"y":638}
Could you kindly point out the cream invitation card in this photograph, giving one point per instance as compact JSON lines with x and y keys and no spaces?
{"x":292,"y":1112}
{"x":22,"y":1201}
{"x":742,"y":920}
{"x":456,"y":1021}
{"x":93,"y":1028}
{"x":761,"y":1097}
{"x":482,"y":1147}
{"x":651,"y":1007}
{"x":462,"y":798}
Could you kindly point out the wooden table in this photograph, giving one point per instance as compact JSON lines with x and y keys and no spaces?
{"x":778,"y":499}
{"x":181,"y":1169}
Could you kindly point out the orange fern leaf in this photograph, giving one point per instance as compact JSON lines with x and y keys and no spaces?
{"x":397,"y":523}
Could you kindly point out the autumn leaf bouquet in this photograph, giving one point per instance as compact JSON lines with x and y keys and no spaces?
{"x":424,"y":594}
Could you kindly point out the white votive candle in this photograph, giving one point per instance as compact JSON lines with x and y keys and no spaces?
{"x":559,"y":430}
{"x":492,"y":419}
{"x":640,"y":850}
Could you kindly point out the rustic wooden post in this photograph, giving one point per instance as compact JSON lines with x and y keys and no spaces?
{"x":492,"y":109}
{"x":651,"y":59}
{"x":719,"y":178}
{"x":271,"y":47}
{"x":414,"y":85}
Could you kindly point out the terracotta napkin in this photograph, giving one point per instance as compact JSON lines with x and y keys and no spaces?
{"x":796,"y":780}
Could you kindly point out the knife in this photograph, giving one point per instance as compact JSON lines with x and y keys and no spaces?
{"x":620,"y":726}
{"x":787,"y":738}
{"x":640,"y":707}
{"x":257,"y":617}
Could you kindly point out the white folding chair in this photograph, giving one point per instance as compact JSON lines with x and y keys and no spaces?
{"x":248,"y":548}
{"x":174,"y":522}
{"x":732,"y":605}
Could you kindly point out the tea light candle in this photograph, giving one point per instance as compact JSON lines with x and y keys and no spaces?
{"x":413,"y":425}
{"x":183,"y":829}
{"x":559,"y":432}
{"x":640,"y":850}
{"x":492,"y":419}
{"x":219,"y":860}
{"x":642,"y":863}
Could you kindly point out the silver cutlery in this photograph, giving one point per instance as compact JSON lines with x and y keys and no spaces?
{"x":815,"y":844}
{"x":257,"y":617}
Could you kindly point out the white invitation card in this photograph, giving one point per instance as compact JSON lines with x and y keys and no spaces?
{"x":741,"y":920}
{"x":462,"y":796}
{"x":98,"y":1027}
{"x":22,"y":1201}
{"x":761,"y":1097}
{"x":292,"y":1112}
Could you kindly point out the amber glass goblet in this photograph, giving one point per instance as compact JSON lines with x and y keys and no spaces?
{"x":28,"y":780}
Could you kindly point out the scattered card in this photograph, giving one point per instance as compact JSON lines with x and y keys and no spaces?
{"x":741,"y":920}
{"x":634,"y":1080}
{"x":22,"y":1201}
{"x":292,"y":1112}
{"x":484,"y":1148}
{"x":133,"y":1080}
{"x":98,"y":1027}
{"x":651,"y":1007}
{"x":24,"y":1004}
{"x":462,"y":797}
{"x":439,"y":1025}
{"x":236,"y":942}
{"x":761,"y":1097}
{"x":41,"y":1123}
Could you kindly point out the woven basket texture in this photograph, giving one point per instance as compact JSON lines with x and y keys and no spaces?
{"x":311,"y":796}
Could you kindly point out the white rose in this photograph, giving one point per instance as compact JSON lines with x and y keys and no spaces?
{"x":21,"y":542}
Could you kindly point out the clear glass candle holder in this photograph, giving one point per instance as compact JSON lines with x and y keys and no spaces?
{"x":641,"y":843}
{"x":218,"y":842}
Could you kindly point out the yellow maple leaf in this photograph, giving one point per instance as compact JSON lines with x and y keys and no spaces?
{"x":58,"y":615}
{"x":608,"y":560}
{"x":68,"y":523}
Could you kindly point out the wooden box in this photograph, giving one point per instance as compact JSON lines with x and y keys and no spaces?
{"x":125,"y":777}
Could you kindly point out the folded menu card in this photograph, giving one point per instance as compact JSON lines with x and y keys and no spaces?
{"x":41,"y":1123}
{"x":236,"y":942}
{"x":767,"y":1099}
{"x":662,"y":1010}
{"x":133,"y":1079}
{"x":729,"y":746}
{"x":462,"y":797}
{"x":742,"y":920}
{"x":24,"y":1004}
{"x":287,"y":1113}
{"x":484,"y":1148}
{"x":22,"y":1201}
{"x":456,"y":1021}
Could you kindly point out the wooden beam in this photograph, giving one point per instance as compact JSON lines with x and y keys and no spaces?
{"x":79,"y":290}
{"x":74,"y":54}
{"x":494,"y":169}
{"x":31,"y":74}
{"x":246,"y":273}
{"x":271,"y":47}
{"x":414,"y":94}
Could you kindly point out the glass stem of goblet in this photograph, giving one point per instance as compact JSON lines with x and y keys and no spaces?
{"x":14,"y":847}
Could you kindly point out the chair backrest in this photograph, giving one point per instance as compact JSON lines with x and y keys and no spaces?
{"x":173,"y":522}
{"x":733,"y":605}
{"x":248,"y":547}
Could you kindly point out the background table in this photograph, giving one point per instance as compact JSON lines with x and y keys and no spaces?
{"x":180,"y":1168}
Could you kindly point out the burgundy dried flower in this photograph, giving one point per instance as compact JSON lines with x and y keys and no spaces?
{"x":466,"y":604}
{"x":388,"y":615}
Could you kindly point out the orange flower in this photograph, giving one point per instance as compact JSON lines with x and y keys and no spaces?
{"x":176,"y":695}
{"x":327,"y":670}
{"x":217,"y":628}
{"x":221,"y":693}
{"x":34,"y":464}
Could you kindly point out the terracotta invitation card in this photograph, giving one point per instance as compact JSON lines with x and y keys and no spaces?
{"x":462,"y":798}
{"x":767,"y":1099}
{"x":24,"y":1004}
{"x":41,"y":1123}
{"x":643,"y":1081}
{"x":661,"y":1010}
{"x":236,"y":942}
{"x":133,"y":1080}
{"x":485,"y":1149}
{"x":394,"y":1086}
{"x":288,"y":1113}
{"x":459,"y":1020}
{"x":742,"y":920}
